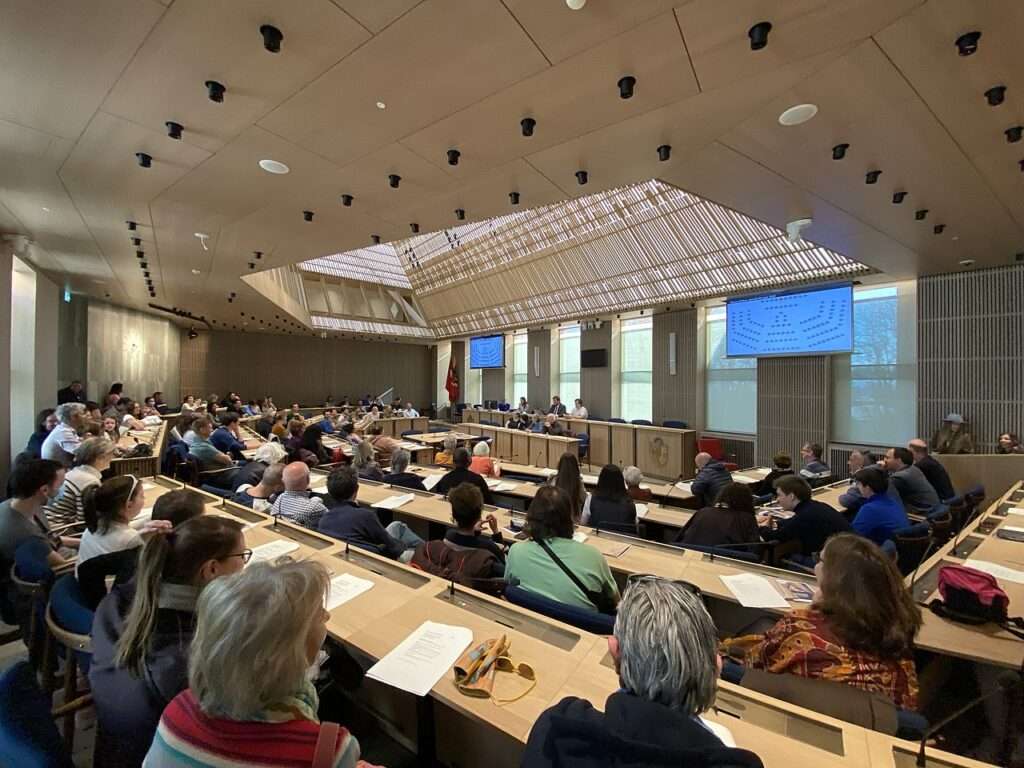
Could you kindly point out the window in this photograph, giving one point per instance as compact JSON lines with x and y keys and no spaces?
{"x":637,"y":338}
{"x":730,"y":400}
{"x":874,"y":390}
{"x":568,"y":364}
{"x":520,"y":366}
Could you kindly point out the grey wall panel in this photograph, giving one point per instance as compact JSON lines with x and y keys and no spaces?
{"x":596,"y":383}
{"x":675,"y":396}
{"x":492,"y":384}
{"x":73,"y":341}
{"x":538,"y":361}
{"x":792,"y":404}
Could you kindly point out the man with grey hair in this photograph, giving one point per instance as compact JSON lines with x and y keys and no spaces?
{"x":400,"y":475}
{"x":665,"y":650}
{"x":712,"y":477}
{"x":61,"y":444}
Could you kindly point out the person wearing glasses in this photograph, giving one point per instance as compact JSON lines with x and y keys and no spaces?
{"x":142,"y":632}
{"x":665,"y":650}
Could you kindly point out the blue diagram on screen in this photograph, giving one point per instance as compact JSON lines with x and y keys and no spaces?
{"x":487,"y":352}
{"x":798,"y":323}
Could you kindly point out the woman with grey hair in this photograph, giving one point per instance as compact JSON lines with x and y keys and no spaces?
{"x":249,"y":701}
{"x":665,"y":649}
{"x":92,"y":459}
{"x":400,"y":475}
{"x":445,"y":457}
{"x":364,"y":460}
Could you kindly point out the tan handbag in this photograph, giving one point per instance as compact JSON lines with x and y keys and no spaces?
{"x":476,"y":670}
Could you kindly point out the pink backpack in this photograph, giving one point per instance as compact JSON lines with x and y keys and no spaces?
{"x":971,"y":596}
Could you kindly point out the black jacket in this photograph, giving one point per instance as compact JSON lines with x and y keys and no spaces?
{"x":812,"y":523}
{"x":766,"y":487}
{"x":613,"y":514}
{"x":405,"y":480}
{"x":67,"y":396}
{"x":711,"y":479}
{"x":458,"y":476}
{"x":631,"y":733}
{"x":937,"y":475}
{"x":359,"y":526}
{"x":718,"y":527}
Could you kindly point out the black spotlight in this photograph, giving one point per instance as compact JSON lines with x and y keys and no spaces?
{"x":920,"y":215}
{"x":346,"y":200}
{"x":257,"y":255}
{"x":453,"y":156}
{"x":460,"y":214}
{"x":513,"y":197}
{"x":528,"y":124}
{"x":145,"y":161}
{"x":136,"y":241}
{"x":215,"y":90}
{"x":140,"y":254}
{"x":582,"y":177}
{"x":174,"y":129}
{"x":375,"y":239}
{"x":192,"y":333}
{"x":145,"y":273}
{"x":871,"y":177}
{"x":626,"y":86}
{"x":839,"y":151}
{"x":307,"y":215}
{"x":394,"y":180}
{"x":415,"y":228}
{"x":132,"y":226}
{"x":272,"y":38}
{"x":252,"y":265}
{"x":897,"y":197}
{"x":995,"y":95}
{"x":938,"y":229}
{"x":758,"y":35}
{"x":967,"y":43}
{"x":144,"y":264}
{"x":664,"y":152}
{"x":1013,"y":135}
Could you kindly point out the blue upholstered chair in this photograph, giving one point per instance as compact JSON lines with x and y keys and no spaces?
{"x":642,"y":422}
{"x":28,"y":735}
{"x":584,"y":447}
{"x":673,"y":424}
{"x":588,"y":621}
{"x":69,"y":620}
{"x":617,"y":421}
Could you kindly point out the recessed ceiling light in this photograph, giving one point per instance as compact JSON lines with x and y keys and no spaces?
{"x":576,"y":5}
{"x":45,"y":209}
{"x":798,"y":115}
{"x":273,"y":166}
{"x":196,"y":272}
{"x":966,"y":262}
{"x":381,"y":105}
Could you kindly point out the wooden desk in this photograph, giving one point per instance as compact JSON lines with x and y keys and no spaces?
{"x":143,"y":466}
{"x":540,"y":450}
{"x":436,"y":439}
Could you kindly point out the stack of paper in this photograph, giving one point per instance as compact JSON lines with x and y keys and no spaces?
{"x":641,"y":510}
{"x":507,"y":485}
{"x":431,"y":480}
{"x":423,"y":658}
{"x":994,"y":569}
{"x":344,"y":588}
{"x":548,"y":471}
{"x":394,"y":502}
{"x":753,"y":591}
{"x":684,"y":487}
{"x":1015,"y":511}
{"x":272,"y":550}
{"x":592,"y":479}
{"x":492,"y":482}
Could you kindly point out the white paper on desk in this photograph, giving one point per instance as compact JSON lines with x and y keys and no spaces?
{"x":644,"y":487}
{"x":409,"y":446}
{"x":579,"y":536}
{"x":424,"y":657}
{"x":641,"y":510}
{"x":492,"y":482}
{"x":994,"y":569}
{"x":740,"y":477}
{"x":273,"y":550}
{"x":394,"y":502}
{"x":684,"y":487}
{"x":592,"y":479}
{"x":344,"y":588}
{"x":753,"y":591}
{"x":431,"y":480}
{"x":508,"y":485}
{"x":548,"y":471}
{"x":1015,"y":511}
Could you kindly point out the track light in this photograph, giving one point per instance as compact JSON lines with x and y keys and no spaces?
{"x":192,"y":333}
{"x":272,"y":38}
{"x":1013,"y":135}
{"x":664,"y":152}
{"x":897,"y":197}
{"x":145,"y":273}
{"x":528,"y":124}
{"x":938,"y":229}
{"x":346,"y":200}
{"x":375,"y":239}
{"x":394,"y":180}
{"x":174,"y":129}
{"x":144,"y":264}
{"x":921,"y":214}
{"x":136,"y":241}
{"x":758,"y":35}
{"x":582,"y":177}
{"x":839,"y":151}
{"x":871,"y":177}
{"x":626,"y":85}
{"x":460,"y":214}
{"x":258,"y":255}
{"x":307,"y":215}
{"x":215,"y":91}
{"x":995,"y":95}
{"x":140,"y":254}
{"x":252,"y":265}
{"x":453,"y":156}
{"x":144,"y":160}
{"x":967,"y":43}
{"x":132,"y":226}
{"x":513,"y":197}
{"x":415,"y":228}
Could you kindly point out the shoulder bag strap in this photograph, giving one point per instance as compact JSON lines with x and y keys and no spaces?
{"x":589,"y":594}
{"x":323,"y":755}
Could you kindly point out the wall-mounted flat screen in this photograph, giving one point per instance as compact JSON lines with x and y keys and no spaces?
{"x":487,"y":352}
{"x":814,"y":321}
{"x":594,"y":358}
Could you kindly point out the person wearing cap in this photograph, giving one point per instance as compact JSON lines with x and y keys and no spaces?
{"x":953,"y":437}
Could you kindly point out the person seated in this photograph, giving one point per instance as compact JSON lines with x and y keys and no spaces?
{"x":444,"y":457}
{"x":814,"y":468}
{"x":934,"y":472}
{"x":296,"y":503}
{"x":92,"y":458}
{"x":880,"y":515}
{"x":482,"y":463}
{"x":859,"y":630}
{"x":110,"y":405}
{"x":913,"y":487}
{"x":227,"y":437}
{"x":610,"y":506}
{"x":266,"y":455}
{"x":46,"y":421}
{"x":782,"y":464}
{"x":467,"y":513}
{"x":360,"y":526}
{"x":634,"y":479}
{"x":311,"y":447}
{"x":72,"y":393}
{"x":142,"y":631}
{"x":177,"y":507}
{"x":952,"y":436}
{"x":293,"y":441}
{"x":239,"y":709}
{"x":569,"y":478}
{"x":204,"y":451}
{"x":265,"y":423}
{"x":399,"y":474}
{"x":533,"y":564}
{"x":851,"y":499}
{"x":348,"y":433}
{"x":409,"y":412}
{"x":552,"y":426}
{"x":188,"y":404}
{"x":384,"y":445}
{"x":93,"y":412}
{"x":665,"y":650}
{"x":812,"y":522}
{"x":523,"y":407}
{"x":557,"y":406}
{"x":461,"y":473}
{"x":538,"y":423}
{"x":328,"y":421}
{"x":32,"y":482}
{"x":261,"y":496}
{"x":278,"y":428}
{"x":712,"y":477}
{"x":131,"y":415}
{"x":182,"y":425}
{"x":368,"y":419}
{"x":732,"y":520}
{"x":62,"y":442}
{"x":1008,"y":443}
{"x":518,"y":420}
{"x":365,"y":463}
{"x":579,"y":411}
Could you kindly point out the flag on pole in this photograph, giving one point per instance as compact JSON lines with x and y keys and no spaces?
{"x":451,"y":384}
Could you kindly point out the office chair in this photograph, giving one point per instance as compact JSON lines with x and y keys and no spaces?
{"x":28,"y":735}
{"x":581,"y":618}
{"x":69,"y":619}
{"x":673,"y":424}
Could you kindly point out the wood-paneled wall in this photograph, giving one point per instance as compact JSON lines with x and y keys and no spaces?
{"x":304,"y":368}
{"x":538,"y":380}
{"x":596,"y":383}
{"x":675,"y":397}
{"x":793,"y":404}
{"x":970,"y":352}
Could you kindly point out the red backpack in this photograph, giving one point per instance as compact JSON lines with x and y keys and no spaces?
{"x":971,"y":596}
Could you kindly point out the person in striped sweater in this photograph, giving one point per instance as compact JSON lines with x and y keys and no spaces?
{"x":92,"y":458}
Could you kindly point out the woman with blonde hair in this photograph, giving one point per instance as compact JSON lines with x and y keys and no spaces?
{"x":365,"y":462}
{"x":444,"y":457}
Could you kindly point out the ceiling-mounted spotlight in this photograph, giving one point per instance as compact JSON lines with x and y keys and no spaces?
{"x":272,"y":38}
{"x":460,"y":214}
{"x":575,"y":5}
{"x":921,"y":214}
{"x":415,"y":228}
{"x":145,"y":273}
{"x":174,"y":129}
{"x":144,"y":160}
{"x":839,"y":151}
{"x":258,"y":255}
{"x":664,"y":152}
{"x":307,"y":215}
{"x":626,"y":85}
{"x":252,"y":265}
{"x":582,"y":177}
{"x":938,"y":229}
{"x":140,"y":254}
{"x":513,"y":197}
{"x":346,"y":200}
{"x":192,"y":333}
{"x":136,"y":241}
{"x":453,"y":156}
{"x":897,"y":197}
{"x":758,"y":35}
{"x":144,"y":264}
{"x":215,"y":91}
{"x":871,"y":177}
{"x":132,"y":226}
{"x":394,"y":180}
{"x":1013,"y":135}
{"x":528,"y":124}
{"x":995,"y":95}
{"x":967,"y":43}
{"x":375,"y":239}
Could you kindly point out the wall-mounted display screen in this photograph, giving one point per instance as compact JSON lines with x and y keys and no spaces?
{"x":816,"y":321}
{"x":487,"y":352}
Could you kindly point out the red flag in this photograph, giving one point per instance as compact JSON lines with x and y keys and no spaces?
{"x":452,"y":383}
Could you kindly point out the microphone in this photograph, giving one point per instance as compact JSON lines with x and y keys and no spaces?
{"x":672,"y":487}
{"x":1006,"y":682}
{"x":913,"y":576}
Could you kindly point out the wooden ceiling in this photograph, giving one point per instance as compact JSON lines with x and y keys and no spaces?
{"x":85,"y":86}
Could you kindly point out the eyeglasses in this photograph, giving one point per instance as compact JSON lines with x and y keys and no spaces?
{"x":245,"y":554}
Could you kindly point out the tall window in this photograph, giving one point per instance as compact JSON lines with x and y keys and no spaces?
{"x":568,"y":365}
{"x":637,"y":338}
{"x":520,"y":366}
{"x":730,"y":401}
{"x":874,"y":390}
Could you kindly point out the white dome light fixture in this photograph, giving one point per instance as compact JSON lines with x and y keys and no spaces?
{"x":273,"y":166}
{"x":576,"y":4}
{"x":798,"y":115}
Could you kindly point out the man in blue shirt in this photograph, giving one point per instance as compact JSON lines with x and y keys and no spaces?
{"x":879,"y":516}
{"x":226,"y":439}
{"x":327,"y":423}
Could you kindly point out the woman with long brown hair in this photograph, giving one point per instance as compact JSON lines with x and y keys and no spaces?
{"x":859,"y":630}
{"x":569,"y":479}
